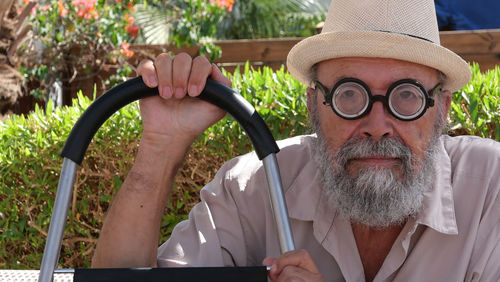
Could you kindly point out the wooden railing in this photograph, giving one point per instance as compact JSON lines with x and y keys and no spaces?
{"x":259,"y":52}
{"x":481,"y":46}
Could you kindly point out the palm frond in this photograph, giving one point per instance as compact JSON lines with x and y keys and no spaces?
{"x":154,"y":23}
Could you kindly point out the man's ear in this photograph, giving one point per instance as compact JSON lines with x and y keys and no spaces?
{"x":310,"y":99}
{"x":446,"y":99}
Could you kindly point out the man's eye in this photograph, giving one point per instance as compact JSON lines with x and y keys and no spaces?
{"x":407,"y":95}
{"x":349,"y":94}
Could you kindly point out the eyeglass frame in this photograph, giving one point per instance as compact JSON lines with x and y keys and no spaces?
{"x":428,"y":99}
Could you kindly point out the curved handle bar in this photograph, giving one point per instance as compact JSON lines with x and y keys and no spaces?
{"x":134,"y":89}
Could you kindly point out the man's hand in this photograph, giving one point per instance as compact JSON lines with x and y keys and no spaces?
{"x":175,"y":113}
{"x":293,"y":266}
{"x":130,"y":233}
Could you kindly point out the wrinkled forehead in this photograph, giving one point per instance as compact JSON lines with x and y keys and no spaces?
{"x":381,"y":71}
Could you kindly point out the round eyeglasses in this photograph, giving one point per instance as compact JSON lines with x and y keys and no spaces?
{"x":406,"y":99}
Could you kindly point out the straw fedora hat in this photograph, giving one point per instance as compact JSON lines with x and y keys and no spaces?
{"x":399,"y":29}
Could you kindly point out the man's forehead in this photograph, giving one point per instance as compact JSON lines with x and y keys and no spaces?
{"x":382,"y":68}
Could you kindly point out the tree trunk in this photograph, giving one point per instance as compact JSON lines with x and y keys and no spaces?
{"x":12,"y":34}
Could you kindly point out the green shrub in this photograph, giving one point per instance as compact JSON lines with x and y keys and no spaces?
{"x":476,"y":107}
{"x":30,"y":165}
{"x":29,"y":171}
{"x":272,"y":19}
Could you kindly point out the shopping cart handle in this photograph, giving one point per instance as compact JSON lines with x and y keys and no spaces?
{"x":134,"y":89}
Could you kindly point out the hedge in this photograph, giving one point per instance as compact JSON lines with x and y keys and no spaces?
{"x":30,"y":165}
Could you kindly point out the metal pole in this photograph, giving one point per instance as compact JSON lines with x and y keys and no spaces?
{"x":278,"y":203}
{"x":58,"y":220}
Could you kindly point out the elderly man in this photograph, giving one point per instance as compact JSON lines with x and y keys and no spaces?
{"x":377,"y":194}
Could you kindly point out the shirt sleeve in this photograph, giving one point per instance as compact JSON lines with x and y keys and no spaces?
{"x":220,"y":227}
{"x":492,"y":268}
{"x":193,"y":242}
{"x":485,"y":259}
{"x":487,"y":266}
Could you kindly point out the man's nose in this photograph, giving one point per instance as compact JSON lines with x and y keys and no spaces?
{"x":377,"y":123}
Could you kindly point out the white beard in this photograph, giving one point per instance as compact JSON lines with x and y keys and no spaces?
{"x":377,"y":197}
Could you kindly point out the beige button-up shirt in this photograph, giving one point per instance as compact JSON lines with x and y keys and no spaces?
{"x":456,"y":236}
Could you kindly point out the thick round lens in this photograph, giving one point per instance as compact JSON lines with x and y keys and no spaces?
{"x":407,"y":100}
{"x":350,"y":99}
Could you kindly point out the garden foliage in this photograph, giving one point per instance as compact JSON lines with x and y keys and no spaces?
{"x":30,"y":165}
{"x":476,"y":108}
{"x":77,"y":39}
{"x":182,"y":21}
{"x":271,"y":19}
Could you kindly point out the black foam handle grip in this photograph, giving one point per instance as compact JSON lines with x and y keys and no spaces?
{"x":134,"y":89}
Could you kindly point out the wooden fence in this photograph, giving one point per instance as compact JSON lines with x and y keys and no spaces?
{"x":481,"y":46}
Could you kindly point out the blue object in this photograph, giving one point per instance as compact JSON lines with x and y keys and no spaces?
{"x":467,"y":14}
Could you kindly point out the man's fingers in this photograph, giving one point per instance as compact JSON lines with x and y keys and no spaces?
{"x":294,"y":266}
{"x":146,"y":69}
{"x":218,"y":76}
{"x":200,"y":70}
{"x":299,"y":258}
{"x":295,"y":273}
{"x":163,"y":66}
{"x":181,"y":68}
{"x":177,"y":76}
{"x":268,"y":261}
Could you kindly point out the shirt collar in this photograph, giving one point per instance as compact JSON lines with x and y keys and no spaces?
{"x":305,"y":197}
{"x":307,"y":201}
{"x":304,"y":193}
{"x":438,"y":209}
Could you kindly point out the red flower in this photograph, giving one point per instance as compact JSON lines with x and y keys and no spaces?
{"x":63,"y":12}
{"x":131,"y":6}
{"x":125,"y":51}
{"x":228,"y":4}
{"x":129,"y":19}
{"x":86,"y":9}
{"x":133,"y":30}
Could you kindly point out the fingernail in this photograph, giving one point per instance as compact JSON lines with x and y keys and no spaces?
{"x":179,"y":92}
{"x":193,"y":90}
{"x":167,"y":92}
{"x":152,"y":80}
{"x":273,"y":268}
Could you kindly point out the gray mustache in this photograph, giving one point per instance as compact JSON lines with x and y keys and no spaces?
{"x":356,"y":147}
